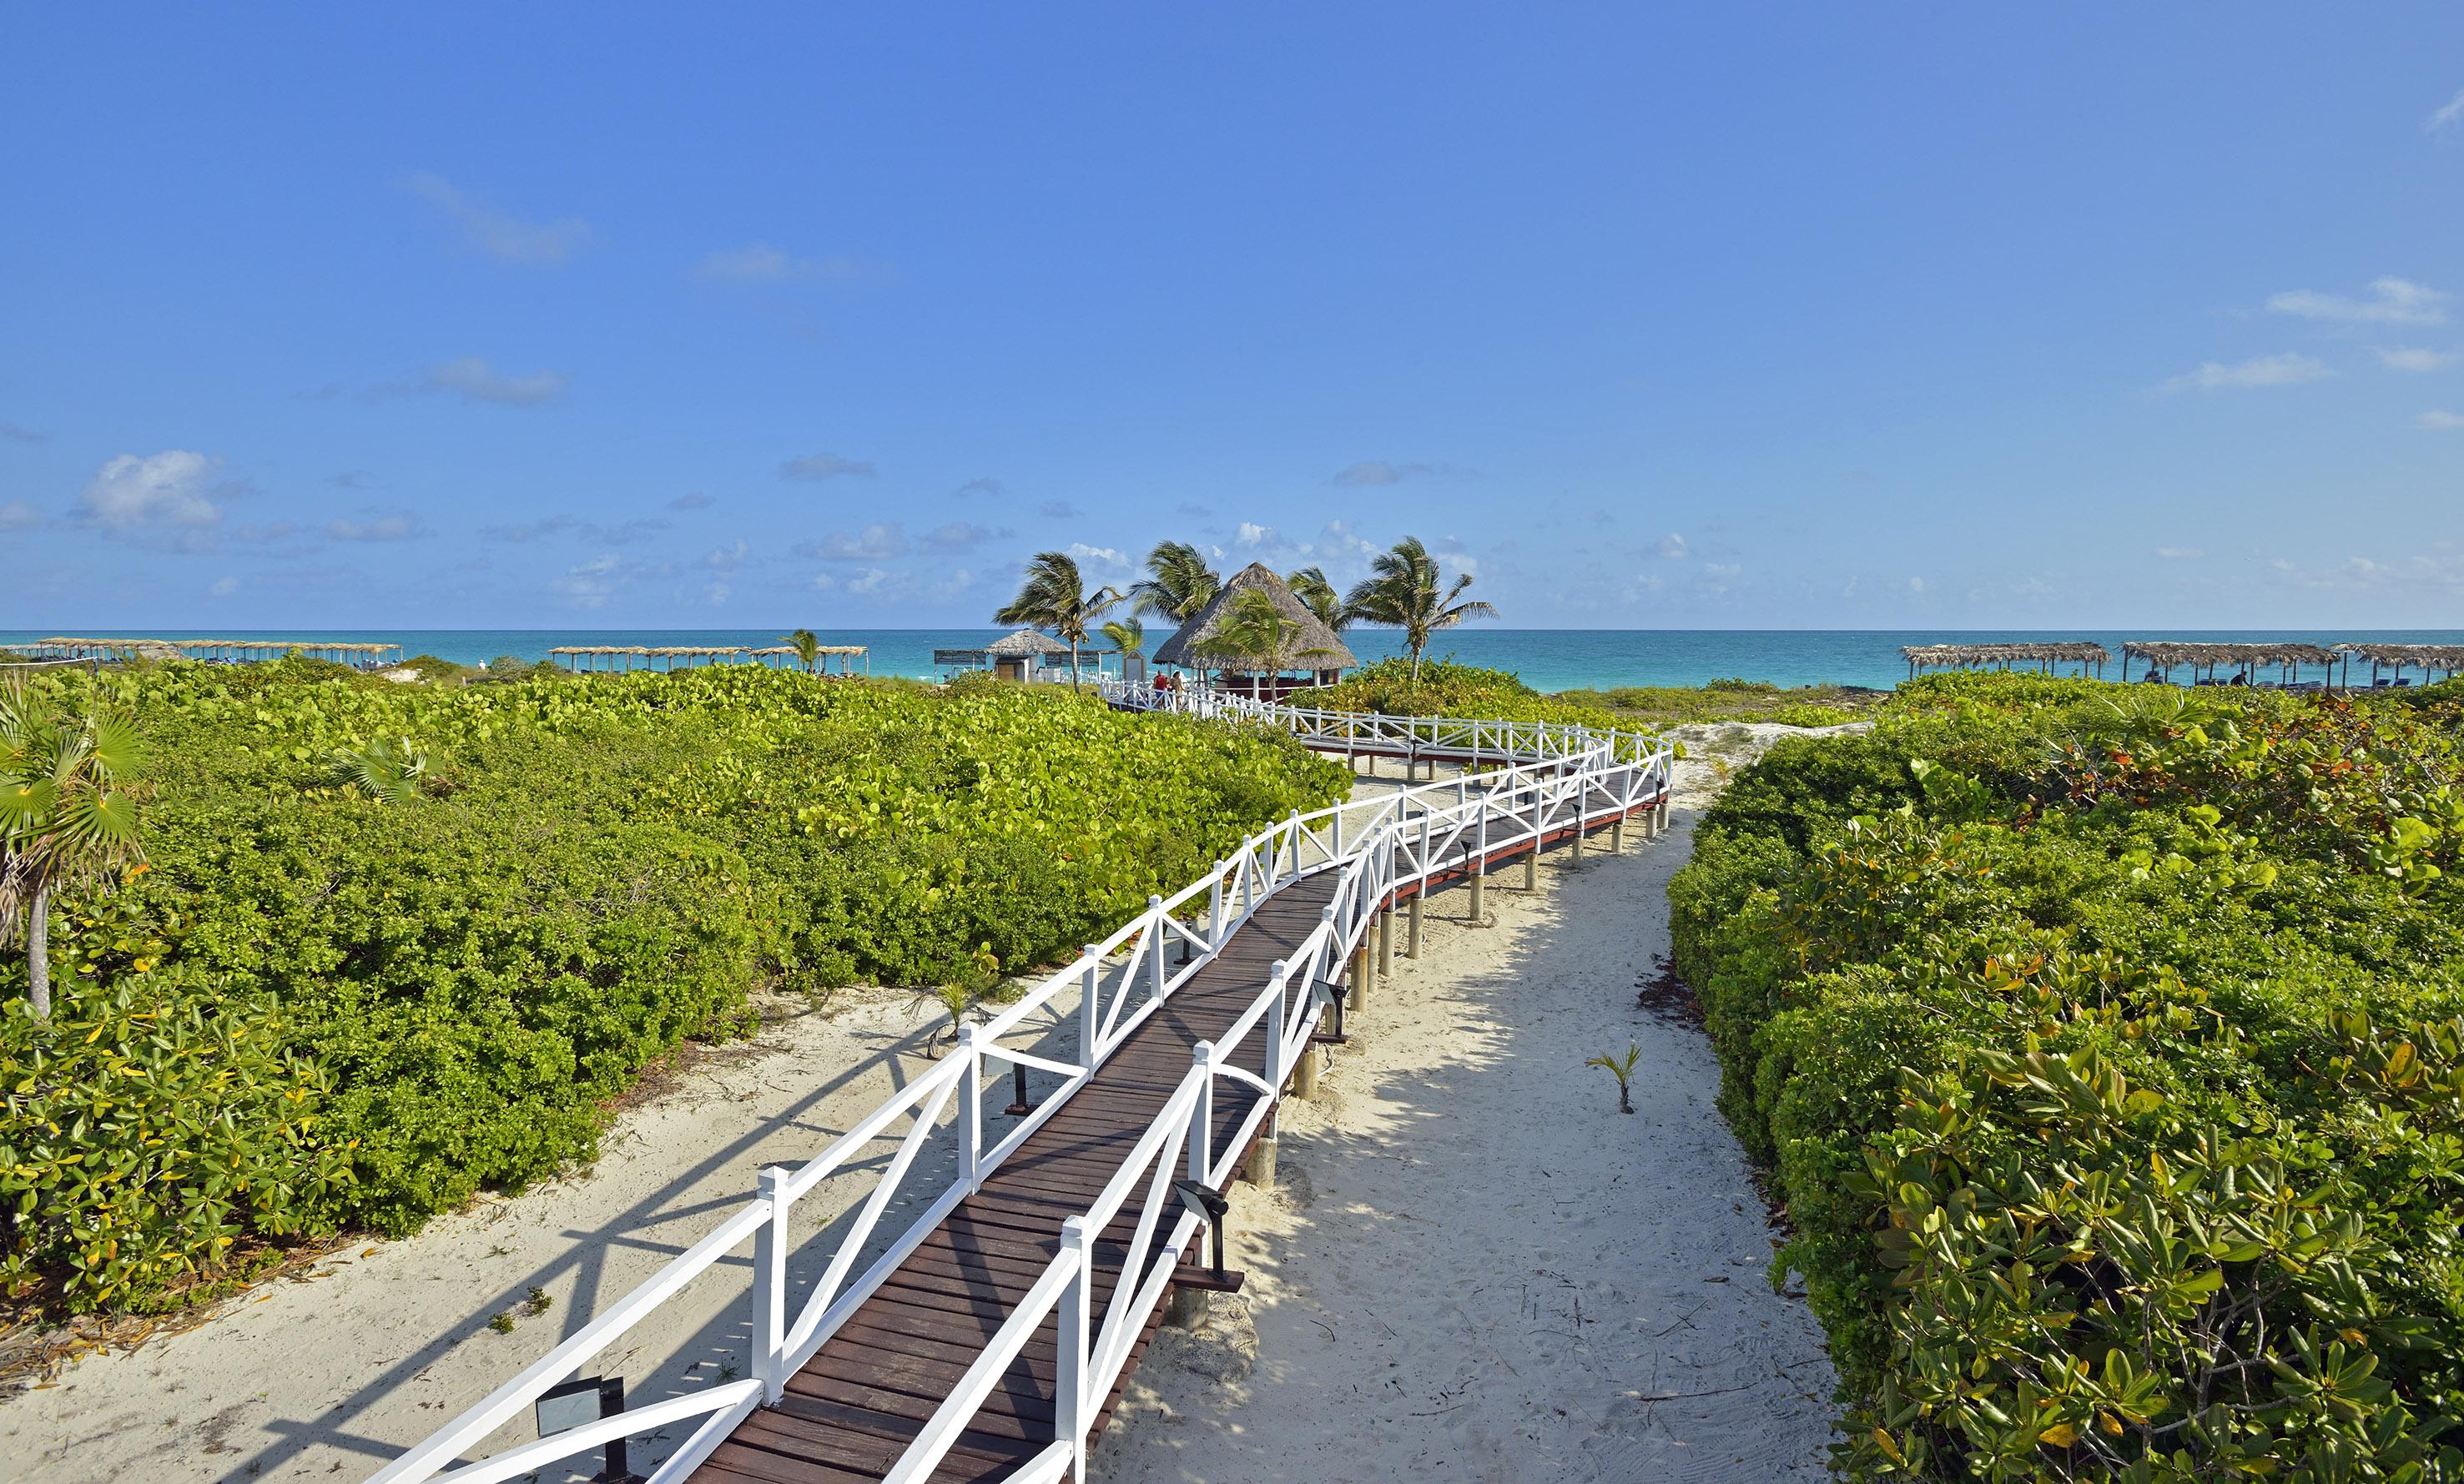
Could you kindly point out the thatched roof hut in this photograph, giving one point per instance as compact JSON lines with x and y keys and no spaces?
{"x":1968,"y":657}
{"x":1315,"y":646}
{"x":1025,"y":643}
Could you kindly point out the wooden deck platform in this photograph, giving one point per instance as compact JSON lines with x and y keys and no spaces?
{"x":850,"y":1410}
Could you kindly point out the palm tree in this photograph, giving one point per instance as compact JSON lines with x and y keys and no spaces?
{"x":1056,"y":598}
{"x":1318,"y":596}
{"x":1254,"y":628}
{"x":1179,"y":583}
{"x":68,"y":817}
{"x":1406,"y":592}
{"x":807,"y":645}
{"x":1129,"y":636}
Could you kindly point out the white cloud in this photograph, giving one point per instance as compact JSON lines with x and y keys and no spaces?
{"x":2447,"y":113}
{"x":874,"y":543}
{"x":167,"y":488}
{"x":825,"y":466}
{"x":1672,"y":546}
{"x":471,"y":379}
{"x":374,"y":526}
{"x":2280,"y":564}
{"x":727,"y":558}
{"x":507,"y":239}
{"x":1721,"y":570}
{"x":19,"y":515}
{"x":223,"y":587}
{"x":716,"y":594}
{"x":981,"y":486}
{"x":762,"y":263}
{"x":2438,"y":421}
{"x":2392,"y":301}
{"x":1081,"y":551}
{"x":1916,"y":585}
{"x":2180,"y":552}
{"x":2406,"y":359}
{"x":2286,"y":370}
{"x":1261,"y":537}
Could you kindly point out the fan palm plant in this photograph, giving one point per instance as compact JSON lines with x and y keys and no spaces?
{"x":68,"y":815}
{"x":1055,"y":597}
{"x":1128,"y":635}
{"x":807,"y":645}
{"x":1407,"y":590}
{"x":1318,"y":596}
{"x":1178,"y":582}
{"x":1252,"y":629}
{"x":388,"y":770}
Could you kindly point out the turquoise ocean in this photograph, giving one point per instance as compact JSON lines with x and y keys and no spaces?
{"x":1547,"y":658}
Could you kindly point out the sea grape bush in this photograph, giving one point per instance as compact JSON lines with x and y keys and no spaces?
{"x":357,"y":1012}
{"x":1448,"y":689}
{"x":2107,"y":1044}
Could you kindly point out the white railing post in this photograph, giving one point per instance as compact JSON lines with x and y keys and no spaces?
{"x":1154,"y":960}
{"x":1321,"y":960}
{"x":1295,"y":828}
{"x":1070,"y":1421}
{"x":1277,"y":1067}
{"x":1201,"y":1120}
{"x":1090,"y":1016}
{"x":1215,"y":906}
{"x":971,"y":1108}
{"x":770,"y":1246}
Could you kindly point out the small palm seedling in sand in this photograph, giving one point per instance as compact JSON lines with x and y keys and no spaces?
{"x":388,"y":770}
{"x":969,"y":980}
{"x":1623,"y":1069}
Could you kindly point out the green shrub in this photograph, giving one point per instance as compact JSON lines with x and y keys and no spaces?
{"x":468,"y":971}
{"x":2103,"y":1045}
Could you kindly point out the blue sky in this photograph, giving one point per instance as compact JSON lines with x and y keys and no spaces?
{"x":1830,"y":317}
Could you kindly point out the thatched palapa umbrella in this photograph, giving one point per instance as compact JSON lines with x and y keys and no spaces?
{"x":1319,"y":647}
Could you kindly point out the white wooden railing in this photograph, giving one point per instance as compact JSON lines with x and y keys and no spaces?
{"x":1537,"y":779}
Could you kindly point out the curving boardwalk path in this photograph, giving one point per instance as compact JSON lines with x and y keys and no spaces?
{"x":1012,"y":1310}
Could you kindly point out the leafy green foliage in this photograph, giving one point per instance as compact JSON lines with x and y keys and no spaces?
{"x":1731,"y":700}
{"x":594,"y":871}
{"x":1447,"y":689}
{"x":2104,"y":1045}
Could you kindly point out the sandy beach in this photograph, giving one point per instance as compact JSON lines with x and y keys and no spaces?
{"x":1472,"y":1265}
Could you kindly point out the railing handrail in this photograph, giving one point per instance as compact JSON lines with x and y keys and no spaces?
{"x":1538,"y":763}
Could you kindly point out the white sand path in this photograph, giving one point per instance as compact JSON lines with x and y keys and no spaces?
{"x":1474,"y":1267}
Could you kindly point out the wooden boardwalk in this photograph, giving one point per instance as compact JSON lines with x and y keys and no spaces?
{"x":849,"y":1412}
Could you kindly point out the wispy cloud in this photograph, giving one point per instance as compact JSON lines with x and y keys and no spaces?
{"x":874,"y":543}
{"x":762,"y":263}
{"x":1378,"y":471}
{"x":621,"y":532}
{"x":473,"y":379}
{"x":596,"y":582}
{"x":374,"y":526}
{"x":2391,"y":301}
{"x":2410,"y":358}
{"x":1672,"y":546}
{"x":2437,"y":420}
{"x":958,"y":535}
{"x":695,"y":500}
{"x":19,"y":515}
{"x":508,"y":239}
{"x":1193,"y":509}
{"x":2447,"y":113}
{"x":1105,"y":554}
{"x":18,"y":432}
{"x":2181,"y":552}
{"x":2286,"y":370}
{"x":1058,"y":509}
{"x":982,"y":485}
{"x":222,"y":587}
{"x":727,"y":558}
{"x":825,"y":466}
{"x":166,"y":489}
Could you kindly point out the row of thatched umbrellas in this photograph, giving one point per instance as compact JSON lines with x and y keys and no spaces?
{"x":621,"y":657}
{"x":2164,"y":656}
{"x":228,"y":650}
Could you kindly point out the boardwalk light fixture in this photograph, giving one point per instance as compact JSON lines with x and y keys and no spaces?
{"x":1209,"y":1205}
{"x":1331,"y":993}
{"x":579,"y":1403}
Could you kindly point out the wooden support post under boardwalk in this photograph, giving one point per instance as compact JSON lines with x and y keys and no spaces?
{"x":1359,"y":976}
{"x":1479,"y":877}
{"x":1261,"y":1169}
{"x":1532,"y":867}
{"x":1305,"y":1073}
{"x":1385,"y":943}
{"x":1411,"y":944}
{"x":1616,"y":835}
